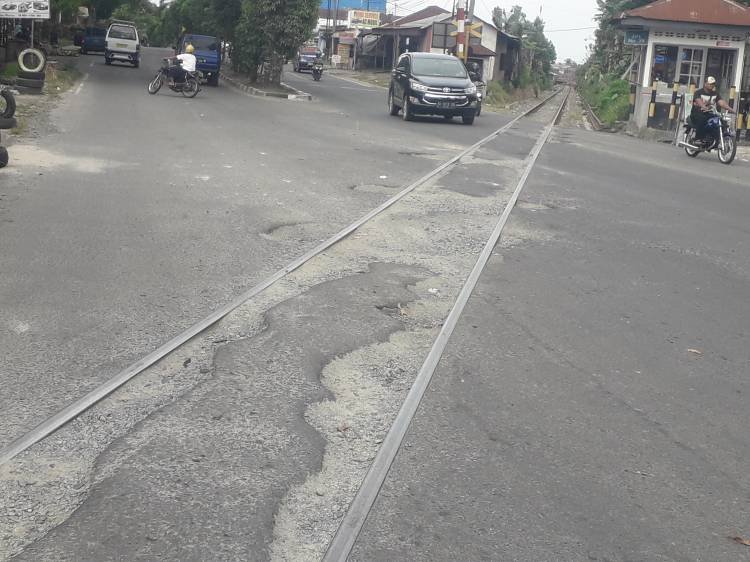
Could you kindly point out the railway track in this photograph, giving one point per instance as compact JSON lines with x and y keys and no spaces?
{"x":356,"y":515}
{"x":76,"y":408}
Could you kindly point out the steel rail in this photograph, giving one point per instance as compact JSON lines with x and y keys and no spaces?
{"x":350,"y":527}
{"x":76,"y":408}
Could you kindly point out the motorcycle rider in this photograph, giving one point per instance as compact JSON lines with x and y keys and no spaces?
{"x":705,"y":101}
{"x":186,"y":63}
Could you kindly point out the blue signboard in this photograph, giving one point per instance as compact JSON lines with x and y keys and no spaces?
{"x":367,"y":5}
{"x":660,"y":59}
{"x":636,"y":36}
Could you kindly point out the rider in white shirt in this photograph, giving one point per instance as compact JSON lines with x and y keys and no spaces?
{"x":188,"y":61}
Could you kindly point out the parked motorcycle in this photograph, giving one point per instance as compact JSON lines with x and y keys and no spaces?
{"x":317,"y":71}
{"x":726,"y":145}
{"x":189,"y":88}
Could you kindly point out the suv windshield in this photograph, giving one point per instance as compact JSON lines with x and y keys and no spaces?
{"x":122,"y":32}
{"x":204,"y":43}
{"x":438,"y":67}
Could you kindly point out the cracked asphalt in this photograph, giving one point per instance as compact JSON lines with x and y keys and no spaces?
{"x":589,"y":406}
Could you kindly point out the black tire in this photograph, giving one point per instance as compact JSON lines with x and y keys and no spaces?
{"x":32,"y":60}
{"x":191,"y":87}
{"x":9,"y":105}
{"x":30,"y":75}
{"x":730,"y":152}
{"x":155,"y":85}
{"x":84,"y":51}
{"x":468,"y":118}
{"x":392,"y":107}
{"x":407,"y":114}
{"x":214,"y":80}
{"x":29,"y":91}
{"x":3,"y":157}
{"x":8,"y":123}
{"x":136,"y":64}
{"x":26,"y":83}
{"x":107,"y":61}
{"x":479,"y":110}
{"x":690,"y":139}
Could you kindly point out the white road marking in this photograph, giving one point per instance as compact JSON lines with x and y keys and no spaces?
{"x":80,"y":86}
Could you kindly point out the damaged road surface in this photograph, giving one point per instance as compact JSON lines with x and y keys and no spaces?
{"x":250,"y":441}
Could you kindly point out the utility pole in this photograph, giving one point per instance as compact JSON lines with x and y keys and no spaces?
{"x":335,"y":22}
{"x":461,"y":33}
{"x":468,"y":35}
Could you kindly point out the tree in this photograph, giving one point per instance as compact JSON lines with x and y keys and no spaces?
{"x":271,"y":31}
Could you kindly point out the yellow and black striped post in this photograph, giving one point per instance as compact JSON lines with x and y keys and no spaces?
{"x":673,"y":105}
{"x":652,"y":105}
{"x":633,"y":92}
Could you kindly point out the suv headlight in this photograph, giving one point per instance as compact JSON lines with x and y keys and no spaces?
{"x":471,"y":89}
{"x":417,"y":86}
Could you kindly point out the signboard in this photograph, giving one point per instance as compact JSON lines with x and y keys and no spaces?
{"x":443,"y":36}
{"x":25,"y":9}
{"x":336,"y":59}
{"x":636,"y":37}
{"x":362,"y":18}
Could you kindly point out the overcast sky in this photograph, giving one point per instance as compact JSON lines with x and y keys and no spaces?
{"x":557,"y":14}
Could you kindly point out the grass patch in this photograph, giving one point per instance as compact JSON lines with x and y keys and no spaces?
{"x":608,"y":96}
{"x":62,"y":79}
{"x":9,"y":70}
{"x":501,"y":95}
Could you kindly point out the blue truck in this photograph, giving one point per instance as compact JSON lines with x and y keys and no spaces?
{"x":207,"y":53}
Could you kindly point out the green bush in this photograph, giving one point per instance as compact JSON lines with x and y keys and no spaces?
{"x":9,"y":70}
{"x":608,"y":96}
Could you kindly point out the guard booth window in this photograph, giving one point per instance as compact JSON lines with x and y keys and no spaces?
{"x":691,"y":66}
{"x":665,"y":64}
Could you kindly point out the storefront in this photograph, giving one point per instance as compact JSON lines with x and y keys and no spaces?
{"x":676,"y":45}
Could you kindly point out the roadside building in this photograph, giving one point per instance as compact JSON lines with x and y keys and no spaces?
{"x":676,"y":45}
{"x":431,"y":29}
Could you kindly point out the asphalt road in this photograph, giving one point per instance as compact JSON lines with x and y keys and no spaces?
{"x":592,"y":403}
{"x":590,"y":406}
{"x":142,"y":214}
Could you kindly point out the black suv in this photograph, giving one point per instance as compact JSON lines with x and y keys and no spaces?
{"x":431,"y":84}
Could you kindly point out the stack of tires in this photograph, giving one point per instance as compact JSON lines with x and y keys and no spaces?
{"x":30,"y":75}
{"x":7,"y":120}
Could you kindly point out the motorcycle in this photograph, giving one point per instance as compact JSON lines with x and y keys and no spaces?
{"x":188,"y":88}
{"x":481,"y":94}
{"x":726,"y":145}
{"x":317,"y":71}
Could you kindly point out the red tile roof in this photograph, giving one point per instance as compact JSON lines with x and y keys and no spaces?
{"x":717,"y":12}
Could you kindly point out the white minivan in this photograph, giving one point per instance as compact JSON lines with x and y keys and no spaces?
{"x":122,"y":44}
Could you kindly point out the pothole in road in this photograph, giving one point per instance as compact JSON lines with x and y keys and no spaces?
{"x":282,"y":231}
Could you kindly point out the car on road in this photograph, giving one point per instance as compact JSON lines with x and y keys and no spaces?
{"x":432,"y":84}
{"x":94,"y":39}
{"x":207,"y":55}
{"x":122,"y":44}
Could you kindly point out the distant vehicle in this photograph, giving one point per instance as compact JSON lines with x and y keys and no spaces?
{"x":9,"y":7}
{"x":432,"y":84}
{"x":94,"y":39}
{"x":41,"y":6}
{"x":122,"y":44}
{"x":207,"y":55}
{"x":305,"y":59}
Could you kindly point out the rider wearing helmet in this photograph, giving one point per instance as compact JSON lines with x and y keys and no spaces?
{"x":185,"y":63}
{"x":705,"y":101}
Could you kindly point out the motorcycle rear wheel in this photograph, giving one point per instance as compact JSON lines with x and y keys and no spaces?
{"x":155,"y":84}
{"x":727,"y":155}
{"x":190,"y":88}
{"x":690,"y":139}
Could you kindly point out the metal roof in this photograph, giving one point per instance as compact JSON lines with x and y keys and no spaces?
{"x":717,"y":12}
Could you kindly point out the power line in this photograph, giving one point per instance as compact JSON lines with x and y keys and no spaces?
{"x":571,"y":29}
